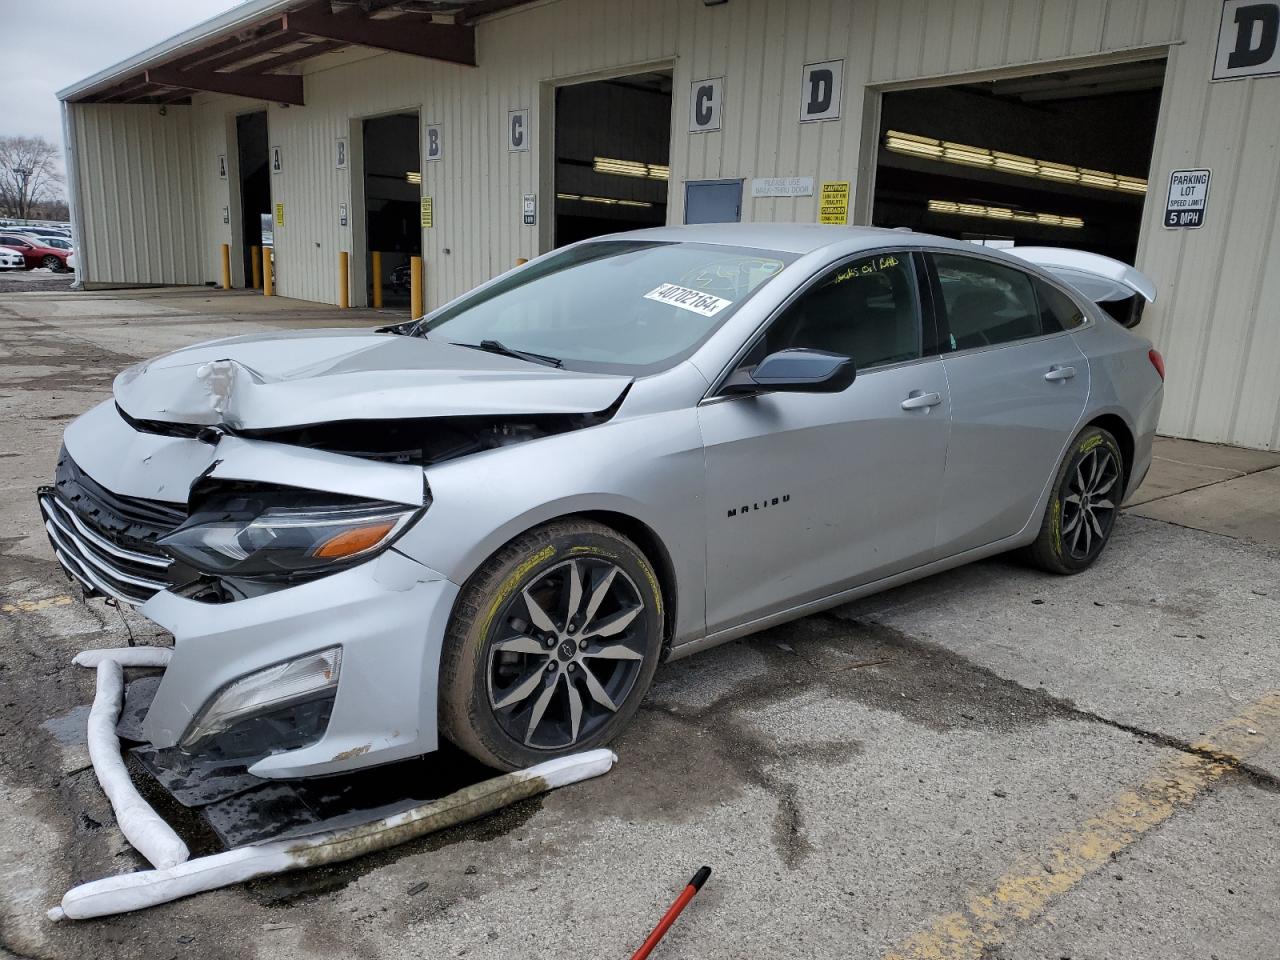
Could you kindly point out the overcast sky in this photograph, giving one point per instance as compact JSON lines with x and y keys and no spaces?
{"x":46,"y":47}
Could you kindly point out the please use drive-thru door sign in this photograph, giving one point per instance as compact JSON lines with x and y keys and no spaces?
{"x":1188,"y":199}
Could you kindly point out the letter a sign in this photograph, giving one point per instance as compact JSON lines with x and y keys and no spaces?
{"x":820,"y":91}
{"x":1248,"y":40}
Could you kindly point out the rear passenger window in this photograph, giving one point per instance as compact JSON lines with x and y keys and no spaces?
{"x":985,"y":303}
{"x":1057,"y":310}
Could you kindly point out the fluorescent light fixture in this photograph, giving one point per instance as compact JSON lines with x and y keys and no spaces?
{"x":970,"y":156}
{"x":1004,"y":213}
{"x":610,"y":201}
{"x":631,"y":168}
{"x":413,"y":176}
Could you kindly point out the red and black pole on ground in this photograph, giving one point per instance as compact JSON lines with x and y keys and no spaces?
{"x":669,"y":917}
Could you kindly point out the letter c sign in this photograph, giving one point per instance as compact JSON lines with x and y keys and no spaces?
{"x":518,"y":131}
{"x":705,"y":98}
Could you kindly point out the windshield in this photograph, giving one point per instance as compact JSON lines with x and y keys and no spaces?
{"x":629,"y":306}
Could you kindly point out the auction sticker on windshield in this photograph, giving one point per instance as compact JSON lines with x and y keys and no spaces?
{"x":686,"y":298}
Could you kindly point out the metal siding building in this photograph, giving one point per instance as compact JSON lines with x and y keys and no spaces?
{"x":150,"y":206}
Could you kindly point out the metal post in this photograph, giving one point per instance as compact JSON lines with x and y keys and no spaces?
{"x":255,"y":263}
{"x":416,"y":291}
{"x":268,"y":278}
{"x":344,"y":288}
{"x":376,"y":266}
{"x":226,"y":266}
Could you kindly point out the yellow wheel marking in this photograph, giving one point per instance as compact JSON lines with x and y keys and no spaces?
{"x":1023,"y":893}
{"x":512,"y":582}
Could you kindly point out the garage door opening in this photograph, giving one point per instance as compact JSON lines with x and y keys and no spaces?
{"x":1055,"y":159}
{"x":613,"y":147}
{"x":255,"y":186}
{"x":392,"y":190}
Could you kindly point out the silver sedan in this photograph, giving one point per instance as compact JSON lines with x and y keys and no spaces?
{"x":492,"y":524}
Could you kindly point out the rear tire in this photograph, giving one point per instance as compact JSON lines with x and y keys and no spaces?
{"x":1082,"y":508}
{"x":52,"y":263}
{"x":552,"y":645}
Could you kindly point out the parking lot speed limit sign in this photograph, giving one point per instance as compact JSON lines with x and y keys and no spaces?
{"x":1188,"y":199}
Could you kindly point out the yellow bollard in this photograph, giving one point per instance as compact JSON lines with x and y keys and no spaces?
{"x":521,"y":261}
{"x":226,"y":266}
{"x":376,"y":267}
{"x":416,"y":308}
{"x":255,"y":265}
{"x":344,"y":288}
{"x":268,"y":279}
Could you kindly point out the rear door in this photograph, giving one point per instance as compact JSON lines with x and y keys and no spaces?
{"x":1018,"y":386}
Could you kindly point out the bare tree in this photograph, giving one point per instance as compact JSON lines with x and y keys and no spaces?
{"x":29,"y":175}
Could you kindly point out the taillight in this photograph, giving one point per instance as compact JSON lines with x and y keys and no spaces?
{"x":1157,"y":361}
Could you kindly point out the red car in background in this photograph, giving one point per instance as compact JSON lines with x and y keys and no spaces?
{"x":35,"y":252}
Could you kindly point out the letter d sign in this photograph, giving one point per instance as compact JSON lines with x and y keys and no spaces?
{"x":820,"y":91}
{"x":1248,"y":40}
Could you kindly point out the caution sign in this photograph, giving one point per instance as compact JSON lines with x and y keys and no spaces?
{"x":428,"y":216}
{"x":833,"y":205}
{"x":279,"y":214}
{"x":1188,"y":199}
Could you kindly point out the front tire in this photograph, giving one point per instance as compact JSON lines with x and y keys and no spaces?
{"x":551,"y":647}
{"x":1082,"y":509}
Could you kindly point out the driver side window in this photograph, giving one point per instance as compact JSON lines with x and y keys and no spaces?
{"x":866,"y":308}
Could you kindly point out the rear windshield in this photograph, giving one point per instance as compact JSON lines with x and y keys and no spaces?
{"x":617,"y":306}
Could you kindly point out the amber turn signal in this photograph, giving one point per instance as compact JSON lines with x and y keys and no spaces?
{"x":355,"y":541}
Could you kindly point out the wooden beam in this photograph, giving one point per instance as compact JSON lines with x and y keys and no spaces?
{"x":419,"y":38}
{"x":261,"y":86}
{"x":241,"y":51}
{"x":293,"y":56}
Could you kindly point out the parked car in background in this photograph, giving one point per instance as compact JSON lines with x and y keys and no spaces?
{"x":71,"y":260}
{"x":491,"y":524}
{"x":36,"y":251}
{"x":61,"y":232}
{"x":11,"y":259}
{"x":58,"y":243}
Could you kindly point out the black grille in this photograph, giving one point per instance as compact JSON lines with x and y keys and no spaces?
{"x":104,"y":540}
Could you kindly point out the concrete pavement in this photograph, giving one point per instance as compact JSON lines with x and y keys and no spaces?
{"x":990,"y":763}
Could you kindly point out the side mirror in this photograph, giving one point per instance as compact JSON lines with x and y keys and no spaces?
{"x":797,"y":370}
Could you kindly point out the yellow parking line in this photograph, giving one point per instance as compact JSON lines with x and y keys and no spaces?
{"x":35,"y":606}
{"x":1024,"y":891}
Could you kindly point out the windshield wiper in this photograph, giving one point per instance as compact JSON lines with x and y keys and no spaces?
{"x":496,"y":346}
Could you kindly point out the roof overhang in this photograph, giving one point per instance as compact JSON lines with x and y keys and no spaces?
{"x":245,"y":50}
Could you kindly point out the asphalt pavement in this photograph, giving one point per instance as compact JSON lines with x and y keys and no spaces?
{"x":991,"y":763}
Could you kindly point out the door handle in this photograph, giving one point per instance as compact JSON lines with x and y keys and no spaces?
{"x":917,"y":400}
{"x":1060,"y":373}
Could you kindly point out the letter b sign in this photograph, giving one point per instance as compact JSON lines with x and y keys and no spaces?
{"x":820,"y":90}
{"x":1248,"y":40}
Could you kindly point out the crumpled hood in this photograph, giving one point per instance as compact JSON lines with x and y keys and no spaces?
{"x":295,"y":379}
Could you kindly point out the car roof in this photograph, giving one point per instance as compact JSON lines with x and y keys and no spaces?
{"x":799,"y":238}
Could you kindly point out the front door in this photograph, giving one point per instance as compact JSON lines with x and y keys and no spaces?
{"x":811,"y":493}
{"x":1018,"y":388}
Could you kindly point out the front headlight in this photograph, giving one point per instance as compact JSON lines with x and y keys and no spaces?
{"x":276,"y":534}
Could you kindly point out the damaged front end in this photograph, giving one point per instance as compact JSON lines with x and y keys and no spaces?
{"x":249,"y":499}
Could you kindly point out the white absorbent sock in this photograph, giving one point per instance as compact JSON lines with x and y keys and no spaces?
{"x":125,"y":656}
{"x":146,"y":888}
{"x":141,"y":825}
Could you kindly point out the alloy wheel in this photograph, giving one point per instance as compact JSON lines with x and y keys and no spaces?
{"x":565,"y":653}
{"x":1089,"y":506}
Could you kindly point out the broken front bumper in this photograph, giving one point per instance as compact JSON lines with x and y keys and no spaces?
{"x":388,"y":616}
